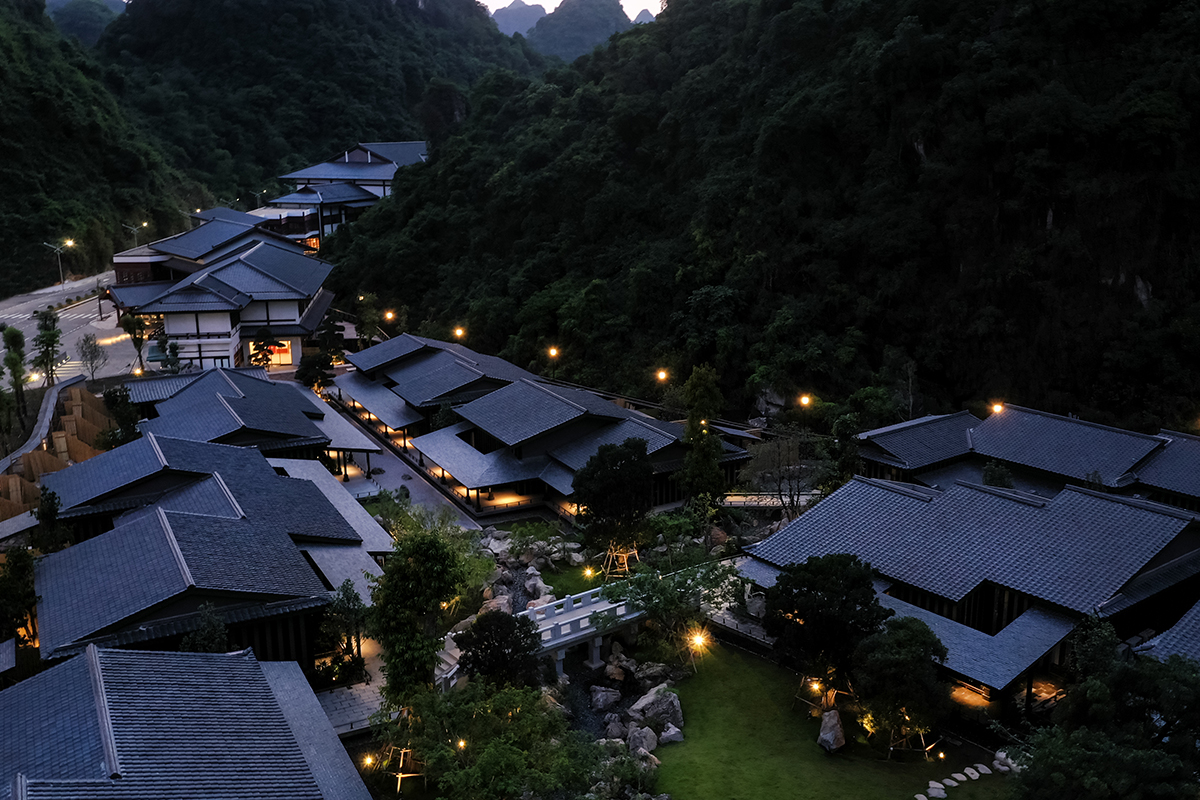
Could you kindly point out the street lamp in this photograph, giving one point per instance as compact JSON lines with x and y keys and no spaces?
{"x":134,"y":230}
{"x":58,"y":252}
{"x":662,"y":375}
{"x":459,"y":332}
{"x":553,"y":352}
{"x":805,"y":400}
{"x":389,"y":315}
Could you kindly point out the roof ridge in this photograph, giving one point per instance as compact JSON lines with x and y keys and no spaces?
{"x":175,"y":551}
{"x":162,"y":459}
{"x":1007,"y":494}
{"x":898,"y":488}
{"x":471,"y":365}
{"x":228,"y":494}
{"x":107,"y":740}
{"x":1101,"y":426}
{"x":229,"y":381}
{"x":229,"y":408}
{"x":911,"y":423}
{"x":1164,"y":432}
{"x":1133,"y":502}
{"x":262,"y":271}
{"x":554,"y":394}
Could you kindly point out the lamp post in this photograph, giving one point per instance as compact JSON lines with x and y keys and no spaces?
{"x":134,"y":230}
{"x":58,"y":252}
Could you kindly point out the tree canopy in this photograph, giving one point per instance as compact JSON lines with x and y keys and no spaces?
{"x":613,"y":492}
{"x":502,"y":648}
{"x":821,"y":611}
{"x":896,"y":678}
{"x":809,"y":195}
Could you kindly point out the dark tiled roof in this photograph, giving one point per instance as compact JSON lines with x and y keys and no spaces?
{"x":103,"y":582}
{"x":403,"y":347}
{"x":471,"y":467}
{"x":8,"y":655}
{"x":385,"y":404}
{"x":126,"y":724}
{"x":1183,"y":638}
{"x":344,"y":171}
{"x":330,"y":193}
{"x":1063,"y":446}
{"x":385,"y":353}
{"x":425,"y":379}
{"x":521,"y":411}
{"x":221,"y":402}
{"x":204,"y":239}
{"x":921,"y":442}
{"x":400,"y":153}
{"x":227,"y":215}
{"x":1175,"y":467}
{"x":152,"y":390}
{"x":998,"y":660}
{"x":576,"y":452}
{"x":1076,"y":550}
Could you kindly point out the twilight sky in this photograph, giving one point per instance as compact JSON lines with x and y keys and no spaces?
{"x":632,"y":7}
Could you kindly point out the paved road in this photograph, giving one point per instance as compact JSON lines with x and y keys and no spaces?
{"x":75,"y":321}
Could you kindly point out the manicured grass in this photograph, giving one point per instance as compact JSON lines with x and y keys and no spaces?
{"x":744,"y":742}
{"x":569,"y":580}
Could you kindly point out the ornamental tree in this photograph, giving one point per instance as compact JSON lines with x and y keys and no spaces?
{"x":821,"y":610}
{"x":896,"y":679}
{"x":501,"y":648}
{"x":613,"y":492}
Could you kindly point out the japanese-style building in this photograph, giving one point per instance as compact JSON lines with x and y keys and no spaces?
{"x":1002,"y":576}
{"x":1042,"y":452}
{"x":260,"y":289}
{"x":497,"y":435}
{"x":338,"y":190}
{"x":245,"y":408}
{"x":221,"y":231}
{"x":167,"y":525}
{"x":170,"y":726}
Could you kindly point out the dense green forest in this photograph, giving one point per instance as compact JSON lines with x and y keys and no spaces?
{"x":577,"y":26}
{"x":996,"y":197}
{"x":239,"y":91}
{"x":73,"y":166}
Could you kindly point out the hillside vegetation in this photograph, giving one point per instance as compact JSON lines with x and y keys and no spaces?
{"x":239,"y":91}
{"x":73,"y":165}
{"x":997,"y":199}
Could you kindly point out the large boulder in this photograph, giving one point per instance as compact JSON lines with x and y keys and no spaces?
{"x":576,"y":559}
{"x":500,"y":603}
{"x":537,"y":587}
{"x":651,"y":674}
{"x":647,"y":757}
{"x":660,"y":704}
{"x":603,"y":697}
{"x":670,"y":734}
{"x":615,"y":730}
{"x":641,"y":738}
{"x":614,"y":672}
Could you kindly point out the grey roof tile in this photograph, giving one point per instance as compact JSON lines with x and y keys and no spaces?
{"x":949,"y":542}
{"x":1175,"y":467}
{"x":521,"y":411}
{"x":400,"y":153}
{"x":326,"y":193}
{"x":228,"y":215}
{"x":921,"y":442}
{"x":386,"y":352}
{"x":344,"y":171}
{"x":1183,"y":638}
{"x":385,"y":404}
{"x":469,"y":466}
{"x":181,"y":725}
{"x":1061,"y":445}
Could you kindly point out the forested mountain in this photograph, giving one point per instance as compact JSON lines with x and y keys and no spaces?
{"x":84,"y":19}
{"x":643,"y":17}
{"x":240,"y":91}
{"x":815,"y":194}
{"x":517,"y":17}
{"x":73,"y":166}
{"x":576,"y":26}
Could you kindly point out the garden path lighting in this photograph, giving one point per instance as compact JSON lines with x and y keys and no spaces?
{"x":553,"y":352}
{"x":462,"y":744}
{"x":805,"y":400}
{"x":588,"y":572}
{"x":369,"y":760}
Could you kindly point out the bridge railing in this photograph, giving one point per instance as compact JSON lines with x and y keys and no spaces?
{"x":571,"y":617}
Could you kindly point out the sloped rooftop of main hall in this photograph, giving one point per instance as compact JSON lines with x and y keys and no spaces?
{"x":1082,"y":451}
{"x":1075,"y":550}
{"x":524,"y":409}
{"x":1175,"y":467}
{"x":920,"y":442}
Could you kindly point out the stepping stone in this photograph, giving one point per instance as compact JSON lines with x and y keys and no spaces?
{"x":935,"y":785}
{"x":940,"y":794}
{"x":972,"y":774}
{"x":949,"y":783}
{"x":920,"y":797}
{"x":1000,"y":767}
{"x":983,"y":770}
{"x":958,"y":776}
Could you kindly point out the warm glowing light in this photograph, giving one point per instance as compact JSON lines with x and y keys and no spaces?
{"x":662,"y":374}
{"x":360,"y":297}
{"x":459,"y":332}
{"x":997,"y":408}
{"x":699,"y":640}
{"x":70,"y":242}
{"x":113,"y":339}
{"x":389,"y":316}
{"x":369,"y":760}
{"x":554,"y":352}
{"x":197,"y":211}
{"x":941,"y":755}
{"x":137,"y":371}
{"x":805,"y":399}
{"x":445,"y":605}
{"x":588,"y":572}
{"x":145,"y":224}
{"x":461,"y":744}
{"x":816,"y":686}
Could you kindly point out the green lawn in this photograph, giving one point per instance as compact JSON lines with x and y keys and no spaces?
{"x":743,"y":742}
{"x":569,"y":580}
